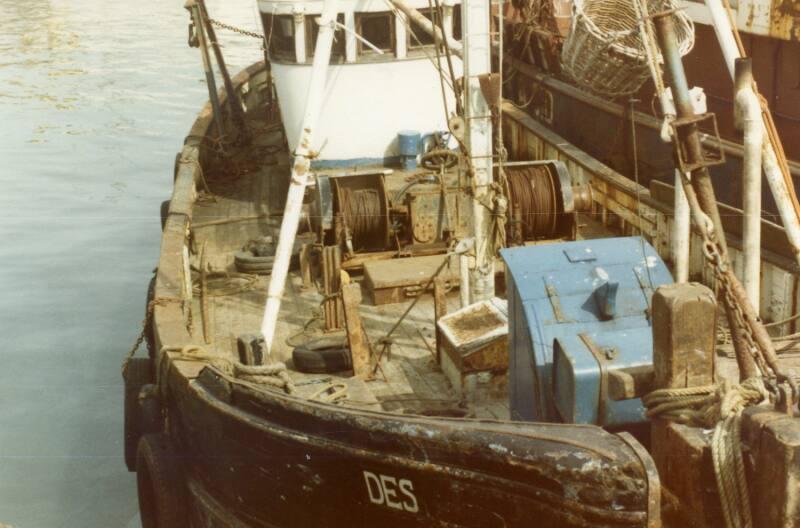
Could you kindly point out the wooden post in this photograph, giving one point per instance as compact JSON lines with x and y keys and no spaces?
{"x":684,"y":339}
{"x":773,"y":439}
{"x":439,"y":310}
{"x":305,"y":266}
{"x":684,"y":335}
{"x":331,"y":266}
{"x":359,"y":345}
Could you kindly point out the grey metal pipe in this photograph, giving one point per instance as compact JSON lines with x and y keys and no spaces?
{"x":748,"y":119}
{"x":233,"y":98}
{"x":676,"y":77}
{"x":197,"y":19}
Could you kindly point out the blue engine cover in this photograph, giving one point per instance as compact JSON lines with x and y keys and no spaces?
{"x":573,"y":307}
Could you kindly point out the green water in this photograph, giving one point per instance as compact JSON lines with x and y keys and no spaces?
{"x":95,"y":99}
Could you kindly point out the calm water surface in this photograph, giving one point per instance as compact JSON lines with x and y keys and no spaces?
{"x":95,"y":99}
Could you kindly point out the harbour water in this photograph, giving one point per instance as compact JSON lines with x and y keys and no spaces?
{"x":95,"y":99}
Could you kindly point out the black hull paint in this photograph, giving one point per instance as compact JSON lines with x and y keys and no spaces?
{"x":272,"y":460}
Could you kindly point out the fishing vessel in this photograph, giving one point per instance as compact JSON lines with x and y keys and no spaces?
{"x":388,"y":295}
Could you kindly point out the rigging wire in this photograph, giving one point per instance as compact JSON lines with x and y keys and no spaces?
{"x":407,"y":24}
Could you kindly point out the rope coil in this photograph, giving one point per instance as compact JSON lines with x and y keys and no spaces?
{"x":719,"y":406}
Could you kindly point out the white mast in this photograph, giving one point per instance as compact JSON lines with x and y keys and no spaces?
{"x":769,"y":159}
{"x":300,"y":172}
{"x":477,"y":62}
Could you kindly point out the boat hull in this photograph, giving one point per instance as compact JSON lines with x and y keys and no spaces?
{"x":257,"y":458}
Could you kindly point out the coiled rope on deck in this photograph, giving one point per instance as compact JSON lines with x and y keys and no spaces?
{"x":273,"y":374}
{"x":719,"y":406}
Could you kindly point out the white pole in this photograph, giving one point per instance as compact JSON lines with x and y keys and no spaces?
{"x":463,"y":269}
{"x":477,"y":62}
{"x":427,"y":26}
{"x":681,"y":232}
{"x":769,"y":160}
{"x":300,"y":172}
{"x":749,"y":119}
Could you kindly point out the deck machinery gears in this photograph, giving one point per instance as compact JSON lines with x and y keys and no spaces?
{"x":361,"y":213}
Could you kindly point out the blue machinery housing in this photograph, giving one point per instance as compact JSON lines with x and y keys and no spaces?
{"x":578,"y":310}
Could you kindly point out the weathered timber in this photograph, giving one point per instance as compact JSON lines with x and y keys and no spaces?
{"x":439,"y":310}
{"x":684,"y":337}
{"x":773,"y":441}
{"x":629,"y":383}
{"x":359,"y":344}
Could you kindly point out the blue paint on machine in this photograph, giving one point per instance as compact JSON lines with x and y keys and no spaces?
{"x":577,"y":310}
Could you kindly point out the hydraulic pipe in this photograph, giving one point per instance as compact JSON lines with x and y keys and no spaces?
{"x":689,"y":135}
{"x":772,"y":170}
{"x":748,"y":118}
{"x":681,"y":231}
{"x":300,"y":172}
{"x":464,"y":280}
{"x":699,"y":191}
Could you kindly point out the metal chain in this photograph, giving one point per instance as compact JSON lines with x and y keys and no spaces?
{"x":719,"y":266}
{"x":148,"y":317}
{"x":235,"y":29}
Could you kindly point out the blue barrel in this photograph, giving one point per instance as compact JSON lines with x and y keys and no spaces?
{"x":408,"y":145}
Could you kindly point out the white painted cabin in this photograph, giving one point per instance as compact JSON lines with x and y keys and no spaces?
{"x":369,"y":97}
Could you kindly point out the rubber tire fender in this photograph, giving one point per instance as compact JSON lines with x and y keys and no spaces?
{"x":164,"y":211}
{"x":151,"y":419}
{"x":161,"y":485}
{"x":138,"y":373}
{"x":149,"y":329}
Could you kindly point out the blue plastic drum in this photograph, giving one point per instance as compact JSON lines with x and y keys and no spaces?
{"x":408,"y":145}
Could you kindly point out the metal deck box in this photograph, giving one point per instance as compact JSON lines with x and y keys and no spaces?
{"x":577,"y":311}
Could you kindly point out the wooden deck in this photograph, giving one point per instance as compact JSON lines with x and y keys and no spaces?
{"x":246,"y":203}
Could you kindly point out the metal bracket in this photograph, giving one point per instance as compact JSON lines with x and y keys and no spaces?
{"x":558,"y":312}
{"x":713,"y":156}
{"x":601,"y":358}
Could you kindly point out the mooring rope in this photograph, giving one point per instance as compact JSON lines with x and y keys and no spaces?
{"x":273,"y":374}
{"x":719,"y":406}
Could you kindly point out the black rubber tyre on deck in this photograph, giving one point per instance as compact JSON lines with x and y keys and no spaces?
{"x":160,"y":484}
{"x":138,"y":373}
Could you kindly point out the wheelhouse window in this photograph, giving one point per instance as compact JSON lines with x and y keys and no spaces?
{"x":312,"y":30}
{"x":417,"y":36}
{"x":279,"y":31}
{"x":376,"y":28}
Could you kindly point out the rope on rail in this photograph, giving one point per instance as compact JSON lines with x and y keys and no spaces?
{"x":273,"y":374}
{"x":720,"y":406}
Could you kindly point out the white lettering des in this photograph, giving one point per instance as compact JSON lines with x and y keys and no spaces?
{"x":389,"y":491}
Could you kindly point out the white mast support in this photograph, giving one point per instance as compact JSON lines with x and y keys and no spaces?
{"x":681,"y":232}
{"x":772,"y":169}
{"x":427,"y":26}
{"x":477,"y":61}
{"x":748,"y":117}
{"x":300,"y":171}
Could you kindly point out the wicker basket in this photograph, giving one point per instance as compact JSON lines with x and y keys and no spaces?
{"x":604,"y":51}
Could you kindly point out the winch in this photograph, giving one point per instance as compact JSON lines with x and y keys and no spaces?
{"x":420,"y":212}
{"x":578,"y":311}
